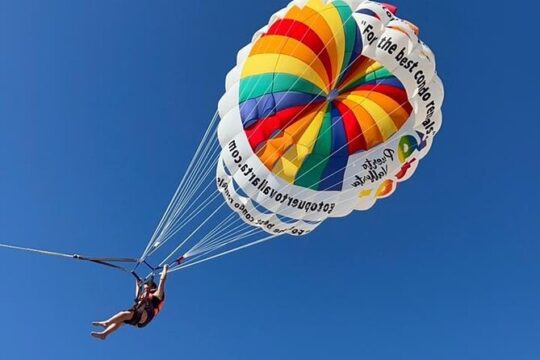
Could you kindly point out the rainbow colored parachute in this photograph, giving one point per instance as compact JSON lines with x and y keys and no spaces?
{"x":328,"y":108}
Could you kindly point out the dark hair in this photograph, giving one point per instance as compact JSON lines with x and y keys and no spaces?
{"x":151,"y":284}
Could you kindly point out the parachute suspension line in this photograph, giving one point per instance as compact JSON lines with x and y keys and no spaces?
{"x":191,"y":214}
{"x":189,"y":189}
{"x":221,"y":229}
{"x":186,"y":265}
{"x":220,"y":235}
{"x":191,"y":235}
{"x":214,"y":239}
{"x":189,"y":202}
{"x":227,"y":239}
{"x":195,"y":183}
{"x":184,"y":224}
{"x":202,"y":254}
{"x":217,"y":233}
{"x":201,"y":172}
{"x":179,"y":189}
{"x":175,"y":218}
{"x":222,"y":225}
{"x":199,"y":155}
{"x":206,"y":164}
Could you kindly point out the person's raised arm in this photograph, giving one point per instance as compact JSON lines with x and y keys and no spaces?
{"x":138,"y":284}
{"x":161,"y":287}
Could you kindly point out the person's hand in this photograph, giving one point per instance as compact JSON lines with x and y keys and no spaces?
{"x":165,"y":270}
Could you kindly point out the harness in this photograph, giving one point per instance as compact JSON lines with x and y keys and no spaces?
{"x":151,"y":305}
{"x":155,"y":303}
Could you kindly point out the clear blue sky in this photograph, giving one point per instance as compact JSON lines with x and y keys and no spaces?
{"x":101,"y":106}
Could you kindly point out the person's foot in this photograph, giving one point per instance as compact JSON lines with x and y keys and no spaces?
{"x":103,"y":324}
{"x":99,"y":336}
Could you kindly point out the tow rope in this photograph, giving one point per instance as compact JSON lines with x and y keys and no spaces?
{"x":111,"y":262}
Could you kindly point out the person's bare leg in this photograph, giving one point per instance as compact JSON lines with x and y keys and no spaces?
{"x":108,"y":331}
{"x":113,"y":324}
{"x":121,"y":316}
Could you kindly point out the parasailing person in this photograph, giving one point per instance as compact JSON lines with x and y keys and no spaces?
{"x":149,"y":300}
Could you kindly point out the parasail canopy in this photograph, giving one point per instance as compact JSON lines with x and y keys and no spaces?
{"x":328,"y":108}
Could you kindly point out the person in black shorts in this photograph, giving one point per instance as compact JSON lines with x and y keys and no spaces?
{"x":149,"y":301}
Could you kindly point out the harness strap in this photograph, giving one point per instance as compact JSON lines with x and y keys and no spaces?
{"x":105,"y":261}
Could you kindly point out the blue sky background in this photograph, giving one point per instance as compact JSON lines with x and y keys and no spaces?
{"x":102,"y":103}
